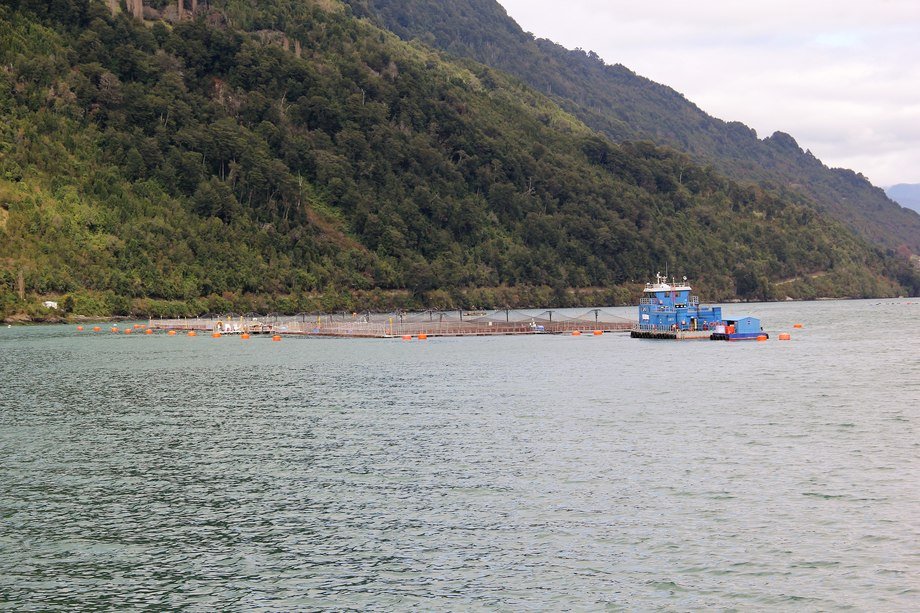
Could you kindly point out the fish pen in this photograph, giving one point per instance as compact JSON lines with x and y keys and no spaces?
{"x":402,"y":324}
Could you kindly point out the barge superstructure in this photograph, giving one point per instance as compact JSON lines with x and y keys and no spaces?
{"x":669,"y":310}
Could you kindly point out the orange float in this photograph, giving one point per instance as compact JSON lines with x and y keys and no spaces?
{"x":171,"y":333}
{"x":762,"y":338}
{"x":576,"y":332}
{"x":407,"y":337}
{"x":96,"y":329}
{"x":785,"y":336}
{"x":215,"y":335}
{"x":148,"y":331}
{"x":244,"y":336}
{"x":423,"y":337}
{"x":192,"y":333}
{"x":598,"y":332}
{"x":798,"y":326}
{"x":276,"y":338}
{"x":79,"y":328}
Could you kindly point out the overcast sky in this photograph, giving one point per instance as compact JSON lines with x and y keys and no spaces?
{"x":842,"y":77}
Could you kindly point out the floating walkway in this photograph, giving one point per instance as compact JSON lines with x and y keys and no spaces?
{"x":428,"y":324}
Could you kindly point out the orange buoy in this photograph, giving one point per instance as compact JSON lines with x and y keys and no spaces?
{"x":148,"y":331}
{"x":798,"y":326}
{"x":96,"y":328}
{"x":79,"y":328}
{"x":762,"y":338}
{"x":276,"y":338}
{"x":244,"y":336}
{"x":598,"y":332}
{"x":423,"y":337}
{"x":407,"y":337}
{"x":171,"y":333}
{"x":137,"y":326}
{"x":128,"y":330}
{"x":785,"y":336}
{"x":576,"y":332}
{"x":215,"y":335}
{"x":114,"y":329}
{"x":192,"y":333}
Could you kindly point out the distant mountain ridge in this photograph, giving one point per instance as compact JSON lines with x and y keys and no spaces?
{"x":625,"y":106}
{"x":905,"y":194}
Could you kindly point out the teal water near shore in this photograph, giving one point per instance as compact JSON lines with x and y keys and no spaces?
{"x":544,"y":472}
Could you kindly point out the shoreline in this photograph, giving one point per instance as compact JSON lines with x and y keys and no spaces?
{"x":22,"y":319}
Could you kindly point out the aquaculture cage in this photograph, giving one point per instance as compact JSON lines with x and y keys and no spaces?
{"x":428,"y":323}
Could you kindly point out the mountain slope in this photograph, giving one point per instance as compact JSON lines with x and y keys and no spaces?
{"x":625,"y":106}
{"x":210,"y":164}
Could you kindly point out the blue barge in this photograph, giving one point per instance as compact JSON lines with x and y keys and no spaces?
{"x":671,"y":311}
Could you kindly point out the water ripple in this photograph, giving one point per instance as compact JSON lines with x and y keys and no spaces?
{"x":511,"y":473}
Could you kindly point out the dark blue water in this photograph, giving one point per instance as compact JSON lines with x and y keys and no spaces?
{"x":542,"y":472}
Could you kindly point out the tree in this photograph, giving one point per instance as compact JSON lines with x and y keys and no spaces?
{"x":214,"y":198}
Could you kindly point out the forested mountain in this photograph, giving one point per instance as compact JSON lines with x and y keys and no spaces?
{"x":286,"y":156}
{"x":625,"y":106}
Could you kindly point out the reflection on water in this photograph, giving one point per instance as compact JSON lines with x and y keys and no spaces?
{"x":543,"y":472}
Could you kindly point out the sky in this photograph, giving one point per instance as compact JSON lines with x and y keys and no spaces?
{"x":842,"y":77}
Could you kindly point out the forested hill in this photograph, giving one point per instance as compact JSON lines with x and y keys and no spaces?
{"x":286,"y":156}
{"x":625,"y":106}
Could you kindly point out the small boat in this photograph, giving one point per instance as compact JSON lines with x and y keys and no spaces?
{"x":669,"y":310}
{"x":229,"y":327}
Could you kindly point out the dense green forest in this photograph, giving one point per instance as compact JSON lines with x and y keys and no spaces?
{"x":625,"y":106}
{"x":288,"y":156}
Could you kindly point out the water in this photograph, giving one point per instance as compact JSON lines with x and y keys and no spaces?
{"x":515,"y":473}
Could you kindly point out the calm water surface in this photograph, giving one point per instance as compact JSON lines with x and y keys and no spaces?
{"x":515,"y":473}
